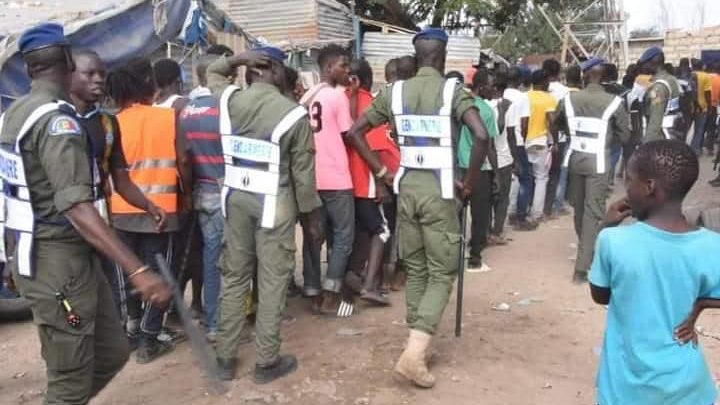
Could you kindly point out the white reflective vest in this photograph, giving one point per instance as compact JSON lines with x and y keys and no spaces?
{"x":589,"y":134}
{"x":19,"y":213}
{"x":672,"y":111}
{"x":253,"y":165}
{"x":425,"y":141}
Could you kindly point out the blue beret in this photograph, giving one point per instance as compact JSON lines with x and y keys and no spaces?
{"x":274,"y":53}
{"x":591,"y":63}
{"x":42,"y":36}
{"x":431,"y":33}
{"x":649,"y":54}
{"x":524,"y":70}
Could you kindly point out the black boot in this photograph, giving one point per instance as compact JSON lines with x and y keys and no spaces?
{"x":282,"y":367}
{"x":226,"y":368}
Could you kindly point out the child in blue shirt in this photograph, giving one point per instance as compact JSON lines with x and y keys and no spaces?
{"x":653,"y":275}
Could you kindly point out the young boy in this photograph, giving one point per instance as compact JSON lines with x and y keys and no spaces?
{"x":651,"y":274}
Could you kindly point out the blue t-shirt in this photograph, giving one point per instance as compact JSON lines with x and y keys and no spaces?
{"x":654,"y":277}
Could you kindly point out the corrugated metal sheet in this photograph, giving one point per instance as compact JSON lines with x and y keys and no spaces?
{"x":379,"y":48}
{"x":278,"y":21}
{"x":334,"y":21}
{"x":18,"y":15}
{"x":386,"y":46}
{"x":292,"y":23}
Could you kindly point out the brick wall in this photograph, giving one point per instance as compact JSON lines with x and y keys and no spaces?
{"x":681,"y":44}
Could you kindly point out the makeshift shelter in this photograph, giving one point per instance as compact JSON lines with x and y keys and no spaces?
{"x":118,"y":33}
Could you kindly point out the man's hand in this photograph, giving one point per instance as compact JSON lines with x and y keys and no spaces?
{"x":380,"y":193}
{"x":187,"y":203}
{"x":312,"y":226}
{"x":158,"y":215}
{"x":152,"y":288}
{"x":389,"y":179}
{"x":517,"y":169}
{"x":617,"y":212}
{"x":685,"y":332}
{"x":464,"y":190}
{"x":251,"y":59}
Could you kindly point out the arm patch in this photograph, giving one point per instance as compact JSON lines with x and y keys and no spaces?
{"x":64,"y":125}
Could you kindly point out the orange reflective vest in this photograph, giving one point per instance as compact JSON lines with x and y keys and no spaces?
{"x":148,"y":143}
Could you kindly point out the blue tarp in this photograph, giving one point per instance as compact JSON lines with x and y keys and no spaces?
{"x":120,"y":36}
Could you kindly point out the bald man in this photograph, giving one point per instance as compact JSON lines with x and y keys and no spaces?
{"x":594,"y":119}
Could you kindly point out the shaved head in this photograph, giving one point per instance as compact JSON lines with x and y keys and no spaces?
{"x":431,"y":53}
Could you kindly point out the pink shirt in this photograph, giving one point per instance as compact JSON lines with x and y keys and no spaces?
{"x":329,"y":112}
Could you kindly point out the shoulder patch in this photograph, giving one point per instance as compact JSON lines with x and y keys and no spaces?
{"x":64,"y":125}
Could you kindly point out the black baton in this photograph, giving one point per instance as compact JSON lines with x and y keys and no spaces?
{"x":461,"y":272}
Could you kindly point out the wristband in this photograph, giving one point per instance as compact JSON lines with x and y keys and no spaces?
{"x":382,"y":172}
{"x":142,"y":269}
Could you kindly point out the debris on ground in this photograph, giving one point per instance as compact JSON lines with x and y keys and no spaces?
{"x":502,"y":307}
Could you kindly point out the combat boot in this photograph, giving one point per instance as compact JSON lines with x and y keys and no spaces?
{"x":412,"y":363}
{"x":226,"y":368}
{"x":283,"y":366}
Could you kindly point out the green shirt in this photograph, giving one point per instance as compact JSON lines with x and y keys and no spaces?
{"x":656,"y":101}
{"x":466,"y":142}
{"x":56,"y":159}
{"x":592,"y":102}
{"x":254,"y":113}
{"x":423,"y":94}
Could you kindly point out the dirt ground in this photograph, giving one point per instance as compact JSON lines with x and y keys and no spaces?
{"x":544,"y":350}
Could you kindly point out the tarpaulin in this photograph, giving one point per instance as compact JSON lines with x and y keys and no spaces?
{"x":117,"y":35}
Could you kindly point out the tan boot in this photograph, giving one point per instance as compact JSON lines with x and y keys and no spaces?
{"x":412,"y":363}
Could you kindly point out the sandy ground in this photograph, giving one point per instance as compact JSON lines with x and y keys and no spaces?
{"x":544,"y":350}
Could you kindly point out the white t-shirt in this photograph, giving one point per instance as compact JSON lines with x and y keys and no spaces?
{"x":558,"y":90}
{"x":504,"y":156}
{"x":519,"y":109}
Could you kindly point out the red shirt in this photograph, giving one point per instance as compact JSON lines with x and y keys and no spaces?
{"x":378,"y":140}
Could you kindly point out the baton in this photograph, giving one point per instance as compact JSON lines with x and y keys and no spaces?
{"x":200,"y":349}
{"x":461,"y":272}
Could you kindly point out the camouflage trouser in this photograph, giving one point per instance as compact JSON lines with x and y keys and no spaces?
{"x":429,"y":244}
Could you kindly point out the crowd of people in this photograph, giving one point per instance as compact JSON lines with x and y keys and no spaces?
{"x":215,"y":182}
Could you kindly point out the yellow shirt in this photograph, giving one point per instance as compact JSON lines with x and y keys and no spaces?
{"x":541,"y":103}
{"x":704,"y":83}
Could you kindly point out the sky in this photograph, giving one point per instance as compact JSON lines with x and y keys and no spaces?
{"x":680,"y":13}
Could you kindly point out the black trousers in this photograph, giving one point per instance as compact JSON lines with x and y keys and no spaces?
{"x":480,"y":210}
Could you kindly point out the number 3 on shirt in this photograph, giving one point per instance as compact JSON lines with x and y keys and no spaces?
{"x":316,"y":116}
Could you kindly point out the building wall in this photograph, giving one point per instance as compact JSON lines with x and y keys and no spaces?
{"x":680,"y":44}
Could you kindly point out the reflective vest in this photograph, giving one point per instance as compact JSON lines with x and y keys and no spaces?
{"x":672,"y":111}
{"x":148,"y":143}
{"x":589,"y":134}
{"x":425,"y":141}
{"x":17,"y":212}
{"x":253,"y":165}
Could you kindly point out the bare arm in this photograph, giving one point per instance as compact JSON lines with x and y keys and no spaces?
{"x":85,"y":218}
{"x":524,"y":122}
{"x":184,"y":170}
{"x":356,"y":136}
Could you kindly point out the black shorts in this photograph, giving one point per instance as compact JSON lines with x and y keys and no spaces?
{"x":369,"y":217}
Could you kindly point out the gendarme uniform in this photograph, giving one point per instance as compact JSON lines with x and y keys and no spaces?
{"x":662,"y":103}
{"x":269,"y":179}
{"x":46,"y":166}
{"x":424,"y":113}
{"x":595,"y":120}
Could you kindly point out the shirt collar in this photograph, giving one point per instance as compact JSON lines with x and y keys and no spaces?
{"x":428,"y":71}
{"x":89,"y":114}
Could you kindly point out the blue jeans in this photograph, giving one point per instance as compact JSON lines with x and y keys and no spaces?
{"x":207,"y":207}
{"x":526,"y":184}
{"x":561,"y":189}
{"x":699,"y":136}
{"x":615,"y":154}
{"x":339,"y":218}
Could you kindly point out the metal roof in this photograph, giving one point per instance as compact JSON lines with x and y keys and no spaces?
{"x":18,"y":15}
{"x":377,"y":45}
{"x":292,"y":23}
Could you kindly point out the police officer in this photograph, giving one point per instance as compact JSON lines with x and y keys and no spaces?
{"x":425,"y":112}
{"x":44,"y":162}
{"x":595,"y":119}
{"x":269,"y":181}
{"x":662,"y":100}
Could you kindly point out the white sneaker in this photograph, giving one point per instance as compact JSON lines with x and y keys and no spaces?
{"x":482,"y":269}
